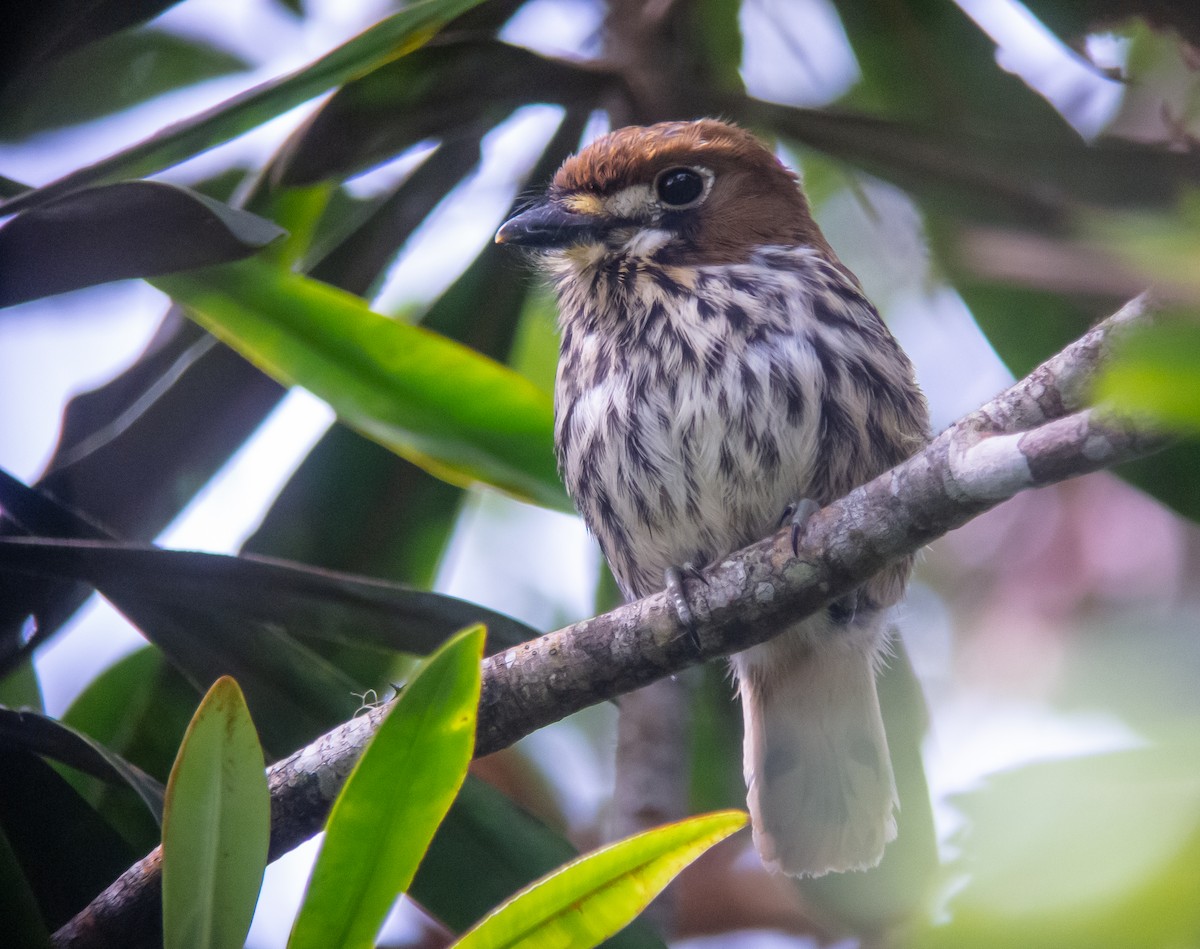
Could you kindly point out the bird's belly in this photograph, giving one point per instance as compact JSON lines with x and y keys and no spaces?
{"x":682,"y":474}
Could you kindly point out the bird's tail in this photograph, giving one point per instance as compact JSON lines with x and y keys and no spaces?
{"x":819,"y":777}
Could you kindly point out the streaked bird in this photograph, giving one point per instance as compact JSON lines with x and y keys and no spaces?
{"x":721,"y":369}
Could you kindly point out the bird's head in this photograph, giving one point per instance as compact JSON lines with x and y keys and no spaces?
{"x":702,"y":192}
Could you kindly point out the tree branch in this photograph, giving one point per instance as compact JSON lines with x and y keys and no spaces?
{"x":1036,"y":433}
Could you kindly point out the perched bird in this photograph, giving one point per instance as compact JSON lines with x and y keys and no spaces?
{"x":719,"y":367}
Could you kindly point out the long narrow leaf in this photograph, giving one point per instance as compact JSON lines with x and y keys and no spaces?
{"x":488,"y":848}
{"x":122,"y":230}
{"x":216,"y":827}
{"x":253,"y":592}
{"x":386,"y":40}
{"x":393,"y":801}
{"x":442,"y":405}
{"x":67,"y":850}
{"x":593,"y":897}
{"x":29,"y":731}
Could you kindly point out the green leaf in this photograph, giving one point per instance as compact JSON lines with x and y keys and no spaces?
{"x":1102,"y":850}
{"x":123,"y":70}
{"x":485,"y":850}
{"x":20,"y":688}
{"x":593,"y":897}
{"x":389,"y":39}
{"x":216,"y":827}
{"x":118,"y":231}
{"x":393,"y":801}
{"x":1161,"y":248}
{"x":717,"y":38}
{"x":443,"y":406}
{"x":1155,"y":372}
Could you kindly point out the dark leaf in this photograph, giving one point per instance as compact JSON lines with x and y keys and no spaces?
{"x":293,"y":693}
{"x":989,"y":177}
{"x":35,"y":512}
{"x":123,"y":70}
{"x":113,"y":232}
{"x":383,"y":42}
{"x":10,"y":188}
{"x":23,"y":925}
{"x":359,"y":254}
{"x":40,"y":735}
{"x":138,"y":708}
{"x":67,"y":852}
{"x":394,"y":523}
{"x":287,"y":599}
{"x":928,"y":62}
{"x":215,"y":615}
{"x":37,"y":31}
{"x":134,"y":451}
{"x":440,"y":91}
{"x":45,"y":601}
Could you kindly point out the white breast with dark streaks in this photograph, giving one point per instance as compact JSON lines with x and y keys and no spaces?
{"x":693,"y":404}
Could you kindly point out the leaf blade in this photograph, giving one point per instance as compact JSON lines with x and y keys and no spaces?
{"x":118,"y":231}
{"x":388,"y":39}
{"x":216,"y":826}
{"x":375,"y":838}
{"x":41,"y":735}
{"x":593,"y":897}
{"x":459,"y":415}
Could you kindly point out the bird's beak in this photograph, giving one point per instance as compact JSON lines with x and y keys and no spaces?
{"x":549,"y":225}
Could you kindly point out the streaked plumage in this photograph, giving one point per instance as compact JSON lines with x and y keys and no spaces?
{"x":719,"y":363}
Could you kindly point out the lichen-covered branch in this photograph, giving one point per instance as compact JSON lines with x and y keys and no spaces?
{"x":1038,"y":432}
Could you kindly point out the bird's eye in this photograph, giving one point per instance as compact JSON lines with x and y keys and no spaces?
{"x":679,"y":187}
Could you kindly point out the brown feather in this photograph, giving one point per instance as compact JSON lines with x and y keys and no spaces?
{"x":756,"y":200}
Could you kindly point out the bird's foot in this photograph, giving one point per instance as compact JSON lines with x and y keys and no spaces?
{"x":843,"y":610}
{"x":798,"y":513}
{"x":673,"y":578}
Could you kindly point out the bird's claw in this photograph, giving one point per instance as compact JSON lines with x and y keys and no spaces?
{"x":843,"y":610}
{"x":799,"y":514}
{"x":673,"y":578}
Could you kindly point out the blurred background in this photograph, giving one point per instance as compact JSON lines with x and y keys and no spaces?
{"x":998,"y":175}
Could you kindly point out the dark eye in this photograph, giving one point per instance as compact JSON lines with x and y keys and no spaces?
{"x":679,"y":187}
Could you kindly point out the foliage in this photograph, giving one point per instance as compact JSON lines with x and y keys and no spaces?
{"x":1037,"y":227}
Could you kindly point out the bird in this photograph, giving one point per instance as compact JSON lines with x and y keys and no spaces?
{"x":721,"y":371}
